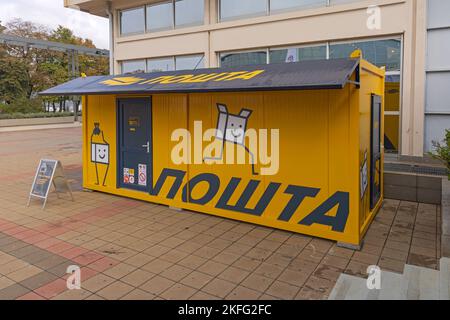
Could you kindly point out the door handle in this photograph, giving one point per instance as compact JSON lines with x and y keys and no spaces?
{"x":147,"y":146}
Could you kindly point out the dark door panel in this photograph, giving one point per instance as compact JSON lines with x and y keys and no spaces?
{"x":375,"y":163}
{"x":135,"y":144}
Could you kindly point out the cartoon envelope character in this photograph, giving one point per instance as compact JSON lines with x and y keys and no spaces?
{"x":231,"y":127}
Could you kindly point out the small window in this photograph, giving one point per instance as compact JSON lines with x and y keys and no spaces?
{"x":190,"y":62}
{"x":133,"y":66}
{"x":132,"y":21}
{"x":160,"y":16}
{"x":160,"y":64}
{"x":189,"y":13}
{"x":239,"y":9}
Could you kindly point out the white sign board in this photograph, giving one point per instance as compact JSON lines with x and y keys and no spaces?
{"x":49,"y":172}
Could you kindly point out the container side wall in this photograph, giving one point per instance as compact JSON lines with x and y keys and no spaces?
{"x":169,"y":119}
{"x":309,"y":188}
{"x":100,"y":129}
{"x":372,"y":82}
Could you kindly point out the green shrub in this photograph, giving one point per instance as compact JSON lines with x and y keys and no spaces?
{"x":22,"y":105}
{"x":442,"y":151}
{"x":34,"y":115}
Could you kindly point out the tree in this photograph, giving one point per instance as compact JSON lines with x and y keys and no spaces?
{"x":2,"y":49}
{"x":28,"y":56}
{"x":14,"y":81}
{"x":442,"y":151}
{"x":26,"y":71}
{"x":89,"y":65}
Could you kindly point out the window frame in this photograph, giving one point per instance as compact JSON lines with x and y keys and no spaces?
{"x":147,"y":30}
{"x":120,"y":21}
{"x":186,"y":25}
{"x":160,"y":58}
{"x":200,"y":55}
{"x":220,"y":19}
{"x":394,"y":37}
{"x":270,"y":12}
{"x":173,"y":57}
{"x":219,"y":62}
{"x":297,"y":8}
{"x":131,"y":60}
{"x":321,"y":44}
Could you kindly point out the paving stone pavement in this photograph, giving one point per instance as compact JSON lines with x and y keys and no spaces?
{"x":128,"y":249}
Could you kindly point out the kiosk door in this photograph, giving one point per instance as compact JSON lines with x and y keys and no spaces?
{"x":135,"y":144}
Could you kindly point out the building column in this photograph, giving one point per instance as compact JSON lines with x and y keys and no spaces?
{"x":413,"y":97}
{"x":213,"y":19}
{"x":419,"y":78}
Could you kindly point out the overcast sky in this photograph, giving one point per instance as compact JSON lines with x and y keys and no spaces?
{"x":52,"y":13}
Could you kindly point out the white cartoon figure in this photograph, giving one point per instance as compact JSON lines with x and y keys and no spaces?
{"x":99,"y":151}
{"x":232,"y":128}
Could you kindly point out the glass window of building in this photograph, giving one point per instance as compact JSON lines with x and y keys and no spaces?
{"x":132,"y":21}
{"x":379,"y":52}
{"x":284,"y":5}
{"x":298,"y":54}
{"x":160,"y":16}
{"x":243,"y":58}
{"x":336,"y":2}
{"x":189,"y":62}
{"x":189,"y":12}
{"x":238,"y":9}
{"x":133,"y":66}
{"x":160,"y":64}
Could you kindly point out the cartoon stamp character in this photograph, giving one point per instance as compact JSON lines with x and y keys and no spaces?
{"x":99,"y":151}
{"x":232,"y":128}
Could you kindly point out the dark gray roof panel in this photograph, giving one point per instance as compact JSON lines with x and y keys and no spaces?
{"x":317,"y":74}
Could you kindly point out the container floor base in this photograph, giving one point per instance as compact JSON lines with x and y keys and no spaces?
{"x":351,"y":246}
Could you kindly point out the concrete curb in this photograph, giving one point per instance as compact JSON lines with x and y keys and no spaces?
{"x":41,"y":127}
{"x":34,"y":121}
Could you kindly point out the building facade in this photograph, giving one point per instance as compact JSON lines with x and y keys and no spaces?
{"x":410,"y":38}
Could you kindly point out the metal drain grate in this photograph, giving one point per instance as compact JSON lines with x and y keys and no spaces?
{"x":408,"y":168}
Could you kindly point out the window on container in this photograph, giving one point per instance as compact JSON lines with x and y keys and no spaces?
{"x":285,"y":5}
{"x":298,"y":54}
{"x":189,"y":62}
{"x":189,"y":12}
{"x":243,"y":58}
{"x":160,"y":64}
{"x":133,"y":66}
{"x":132,"y":21}
{"x":160,"y":16}
{"x":239,"y":9}
{"x":379,"y":52}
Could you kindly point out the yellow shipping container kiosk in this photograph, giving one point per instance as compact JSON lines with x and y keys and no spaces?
{"x":293,"y":146}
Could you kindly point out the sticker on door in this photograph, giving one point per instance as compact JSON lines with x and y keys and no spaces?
{"x":126,"y":175}
{"x":131,"y":176}
{"x":142,"y":179}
